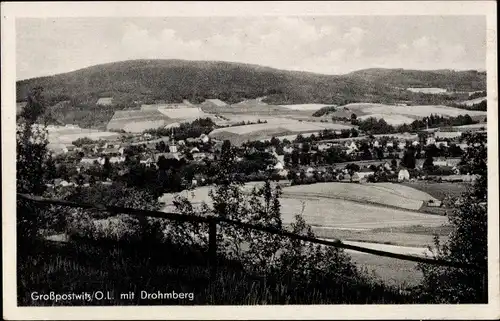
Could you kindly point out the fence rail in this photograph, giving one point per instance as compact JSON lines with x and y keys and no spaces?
{"x":213,"y":221}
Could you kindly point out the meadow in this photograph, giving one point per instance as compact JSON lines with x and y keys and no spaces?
{"x":306,"y":107}
{"x":398,"y":114}
{"x":427,"y":90}
{"x":341,"y":205}
{"x":275,"y":126}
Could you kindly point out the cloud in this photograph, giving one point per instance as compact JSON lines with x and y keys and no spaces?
{"x":317,"y":44}
{"x":354,"y":36}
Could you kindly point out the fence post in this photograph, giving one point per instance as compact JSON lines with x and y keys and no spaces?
{"x":212,"y":249}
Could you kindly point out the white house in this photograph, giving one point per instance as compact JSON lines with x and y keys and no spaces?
{"x":401,"y":145}
{"x":376,"y":144}
{"x":390,"y":144}
{"x":324,"y":146}
{"x":430,"y":141}
{"x":115,"y":159}
{"x":361,"y":176}
{"x":403,"y":175}
{"x":204,"y":138}
{"x":288,"y":149}
{"x":310,"y":172}
{"x":415,"y":143}
{"x":278,"y":166}
{"x":441,"y":162}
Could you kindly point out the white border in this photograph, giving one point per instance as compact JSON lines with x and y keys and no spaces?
{"x":148,"y":9}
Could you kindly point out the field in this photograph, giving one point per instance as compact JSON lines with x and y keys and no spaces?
{"x":480,"y":126}
{"x":66,"y":135}
{"x":306,"y":107}
{"x":396,"y":113}
{"x":137,"y":120}
{"x":359,"y":219}
{"x":427,"y":90}
{"x":183,"y":113}
{"x":341,"y":206}
{"x":439,"y":190}
{"x":380,"y":193}
{"x":273,"y":127}
{"x":472,"y":102}
{"x":390,"y":119}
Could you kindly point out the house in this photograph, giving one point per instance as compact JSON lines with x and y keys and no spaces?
{"x":181,"y":143}
{"x":64,"y":183}
{"x":147,"y":162}
{"x":199,"y":156}
{"x":415,"y":143}
{"x":279,"y":166}
{"x":430,"y":141}
{"x":324,"y":146}
{"x":204,"y":138}
{"x":390,"y":144}
{"x":69,"y":148}
{"x":288,"y":149}
{"x":362,"y":175}
{"x":104,"y":101}
{"x":402,"y":145}
{"x":283,"y":173}
{"x":376,"y":144}
{"x":403,"y":175}
{"x":117,"y":159}
{"x":351,"y":148}
{"x":92,"y":160}
{"x":172,"y":148}
{"x":442,"y":143}
{"x":191,"y":140}
{"x":309,"y":172}
{"x":167,"y":156}
{"x":441,"y":162}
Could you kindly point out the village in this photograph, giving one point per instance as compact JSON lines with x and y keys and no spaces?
{"x":427,"y":155}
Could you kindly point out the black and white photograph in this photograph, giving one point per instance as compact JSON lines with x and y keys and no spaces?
{"x":324,"y":155}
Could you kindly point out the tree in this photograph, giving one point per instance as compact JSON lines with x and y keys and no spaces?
{"x":394,"y":164}
{"x":428,"y":164}
{"x":354,"y":119}
{"x":31,"y":162}
{"x":408,"y":159}
{"x":467,"y":242}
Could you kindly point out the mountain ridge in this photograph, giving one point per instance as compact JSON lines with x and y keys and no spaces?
{"x":176,"y":79}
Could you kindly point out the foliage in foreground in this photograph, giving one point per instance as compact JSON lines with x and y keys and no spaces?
{"x":468,"y":241}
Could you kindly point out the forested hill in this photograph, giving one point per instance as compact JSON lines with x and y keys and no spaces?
{"x":469,"y":80}
{"x":174,"y":80}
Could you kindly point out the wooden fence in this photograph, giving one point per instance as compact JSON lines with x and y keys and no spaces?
{"x":212,"y":222}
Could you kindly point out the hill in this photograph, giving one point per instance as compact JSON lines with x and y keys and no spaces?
{"x":468,"y":81}
{"x":175,"y":80}
{"x":128,"y":84}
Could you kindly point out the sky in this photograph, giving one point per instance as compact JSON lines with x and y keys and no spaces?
{"x":326,"y":44}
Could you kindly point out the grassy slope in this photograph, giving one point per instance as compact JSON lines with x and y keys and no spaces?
{"x":72,"y":268}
